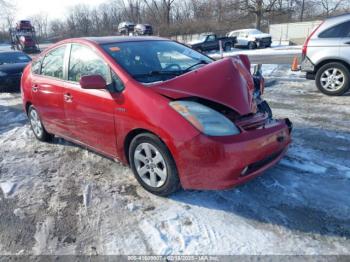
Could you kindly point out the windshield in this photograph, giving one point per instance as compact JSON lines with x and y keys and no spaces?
{"x":202,"y":38}
{"x":153,"y":61}
{"x":13,"y":58}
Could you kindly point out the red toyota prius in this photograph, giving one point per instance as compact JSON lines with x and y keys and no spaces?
{"x":177,"y":117}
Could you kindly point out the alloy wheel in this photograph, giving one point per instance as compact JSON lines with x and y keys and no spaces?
{"x":150,"y":165}
{"x":36,"y":123}
{"x":332,"y":79}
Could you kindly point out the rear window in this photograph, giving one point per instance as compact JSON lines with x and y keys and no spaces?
{"x":338,"y":31}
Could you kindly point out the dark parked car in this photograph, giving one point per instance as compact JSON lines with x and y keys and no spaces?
{"x":24,"y":25}
{"x":209,"y":42}
{"x":12,"y":64}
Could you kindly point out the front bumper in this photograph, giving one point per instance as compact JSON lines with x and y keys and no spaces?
{"x":264,"y":42}
{"x":223,"y":162}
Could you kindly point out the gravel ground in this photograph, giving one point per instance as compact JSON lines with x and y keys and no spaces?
{"x":59,"y":198}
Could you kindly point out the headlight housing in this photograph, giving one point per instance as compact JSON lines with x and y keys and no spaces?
{"x":2,"y":74}
{"x":205,"y":119}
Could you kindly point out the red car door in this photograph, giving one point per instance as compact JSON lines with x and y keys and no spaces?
{"x":89,"y":112}
{"x":47,"y":91}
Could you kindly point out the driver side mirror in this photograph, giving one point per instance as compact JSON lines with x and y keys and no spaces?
{"x":93,"y":82}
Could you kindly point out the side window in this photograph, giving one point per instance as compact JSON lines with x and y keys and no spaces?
{"x":211,"y":38}
{"x":84,"y":61}
{"x":52,"y":64}
{"x":36,"y":66}
{"x":342,"y":30}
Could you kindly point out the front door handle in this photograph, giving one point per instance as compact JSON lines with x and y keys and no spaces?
{"x":68,"y":98}
{"x":35,"y":88}
{"x":347,"y":43}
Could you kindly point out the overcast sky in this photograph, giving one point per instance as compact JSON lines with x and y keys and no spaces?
{"x":54,"y":8}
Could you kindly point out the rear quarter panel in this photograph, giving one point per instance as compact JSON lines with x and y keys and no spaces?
{"x":321,"y":49}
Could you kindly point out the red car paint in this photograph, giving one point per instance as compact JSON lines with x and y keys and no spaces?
{"x":216,"y":82}
{"x":104,"y":121}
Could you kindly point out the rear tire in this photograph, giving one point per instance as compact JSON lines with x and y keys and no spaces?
{"x":153,"y":165}
{"x":37,"y":126}
{"x":227,"y":47}
{"x":333,"y":79}
{"x":252,"y":45}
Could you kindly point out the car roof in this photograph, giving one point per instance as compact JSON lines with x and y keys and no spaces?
{"x":121,"y":39}
{"x":330,"y":22}
{"x":12,"y":52}
{"x":340,"y":17}
{"x":248,"y":30}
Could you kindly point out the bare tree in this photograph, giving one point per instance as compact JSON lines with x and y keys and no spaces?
{"x":161,"y":9}
{"x":302,"y":10}
{"x":258,"y":8}
{"x":331,"y":6}
{"x":7,"y":12}
{"x":40,"y":23}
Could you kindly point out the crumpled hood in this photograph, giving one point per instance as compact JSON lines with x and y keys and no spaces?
{"x":227,"y":82}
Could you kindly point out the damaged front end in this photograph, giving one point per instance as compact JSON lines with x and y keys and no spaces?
{"x":226,"y":86}
{"x":238,"y":138}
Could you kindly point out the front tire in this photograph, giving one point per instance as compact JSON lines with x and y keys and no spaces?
{"x":333,"y":79}
{"x":252,"y":45}
{"x":37,"y":126}
{"x":153,"y":165}
{"x":264,"y":107}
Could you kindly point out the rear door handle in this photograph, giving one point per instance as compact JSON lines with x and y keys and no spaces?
{"x":35,"y":88}
{"x":347,"y":43}
{"x":68,"y":98}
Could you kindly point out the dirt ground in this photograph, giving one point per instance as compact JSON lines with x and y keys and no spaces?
{"x":59,"y":198}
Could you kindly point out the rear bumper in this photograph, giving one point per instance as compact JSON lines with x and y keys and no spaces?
{"x":223,"y":162}
{"x":307,"y":66}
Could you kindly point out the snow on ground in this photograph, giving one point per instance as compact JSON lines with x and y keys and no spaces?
{"x":59,"y":198}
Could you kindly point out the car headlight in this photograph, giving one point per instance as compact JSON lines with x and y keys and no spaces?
{"x":205,"y":119}
{"x":2,"y":74}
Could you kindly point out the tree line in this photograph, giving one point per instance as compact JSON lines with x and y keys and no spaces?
{"x":173,"y":17}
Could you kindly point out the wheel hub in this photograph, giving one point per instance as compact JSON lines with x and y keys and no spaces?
{"x":332,"y":79}
{"x":36,"y":123}
{"x":150,"y":165}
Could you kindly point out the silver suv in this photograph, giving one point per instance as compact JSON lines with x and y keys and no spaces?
{"x":326,"y":55}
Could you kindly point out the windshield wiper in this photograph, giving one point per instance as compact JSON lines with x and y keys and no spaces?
{"x":200,"y":62}
{"x":155,"y":73}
